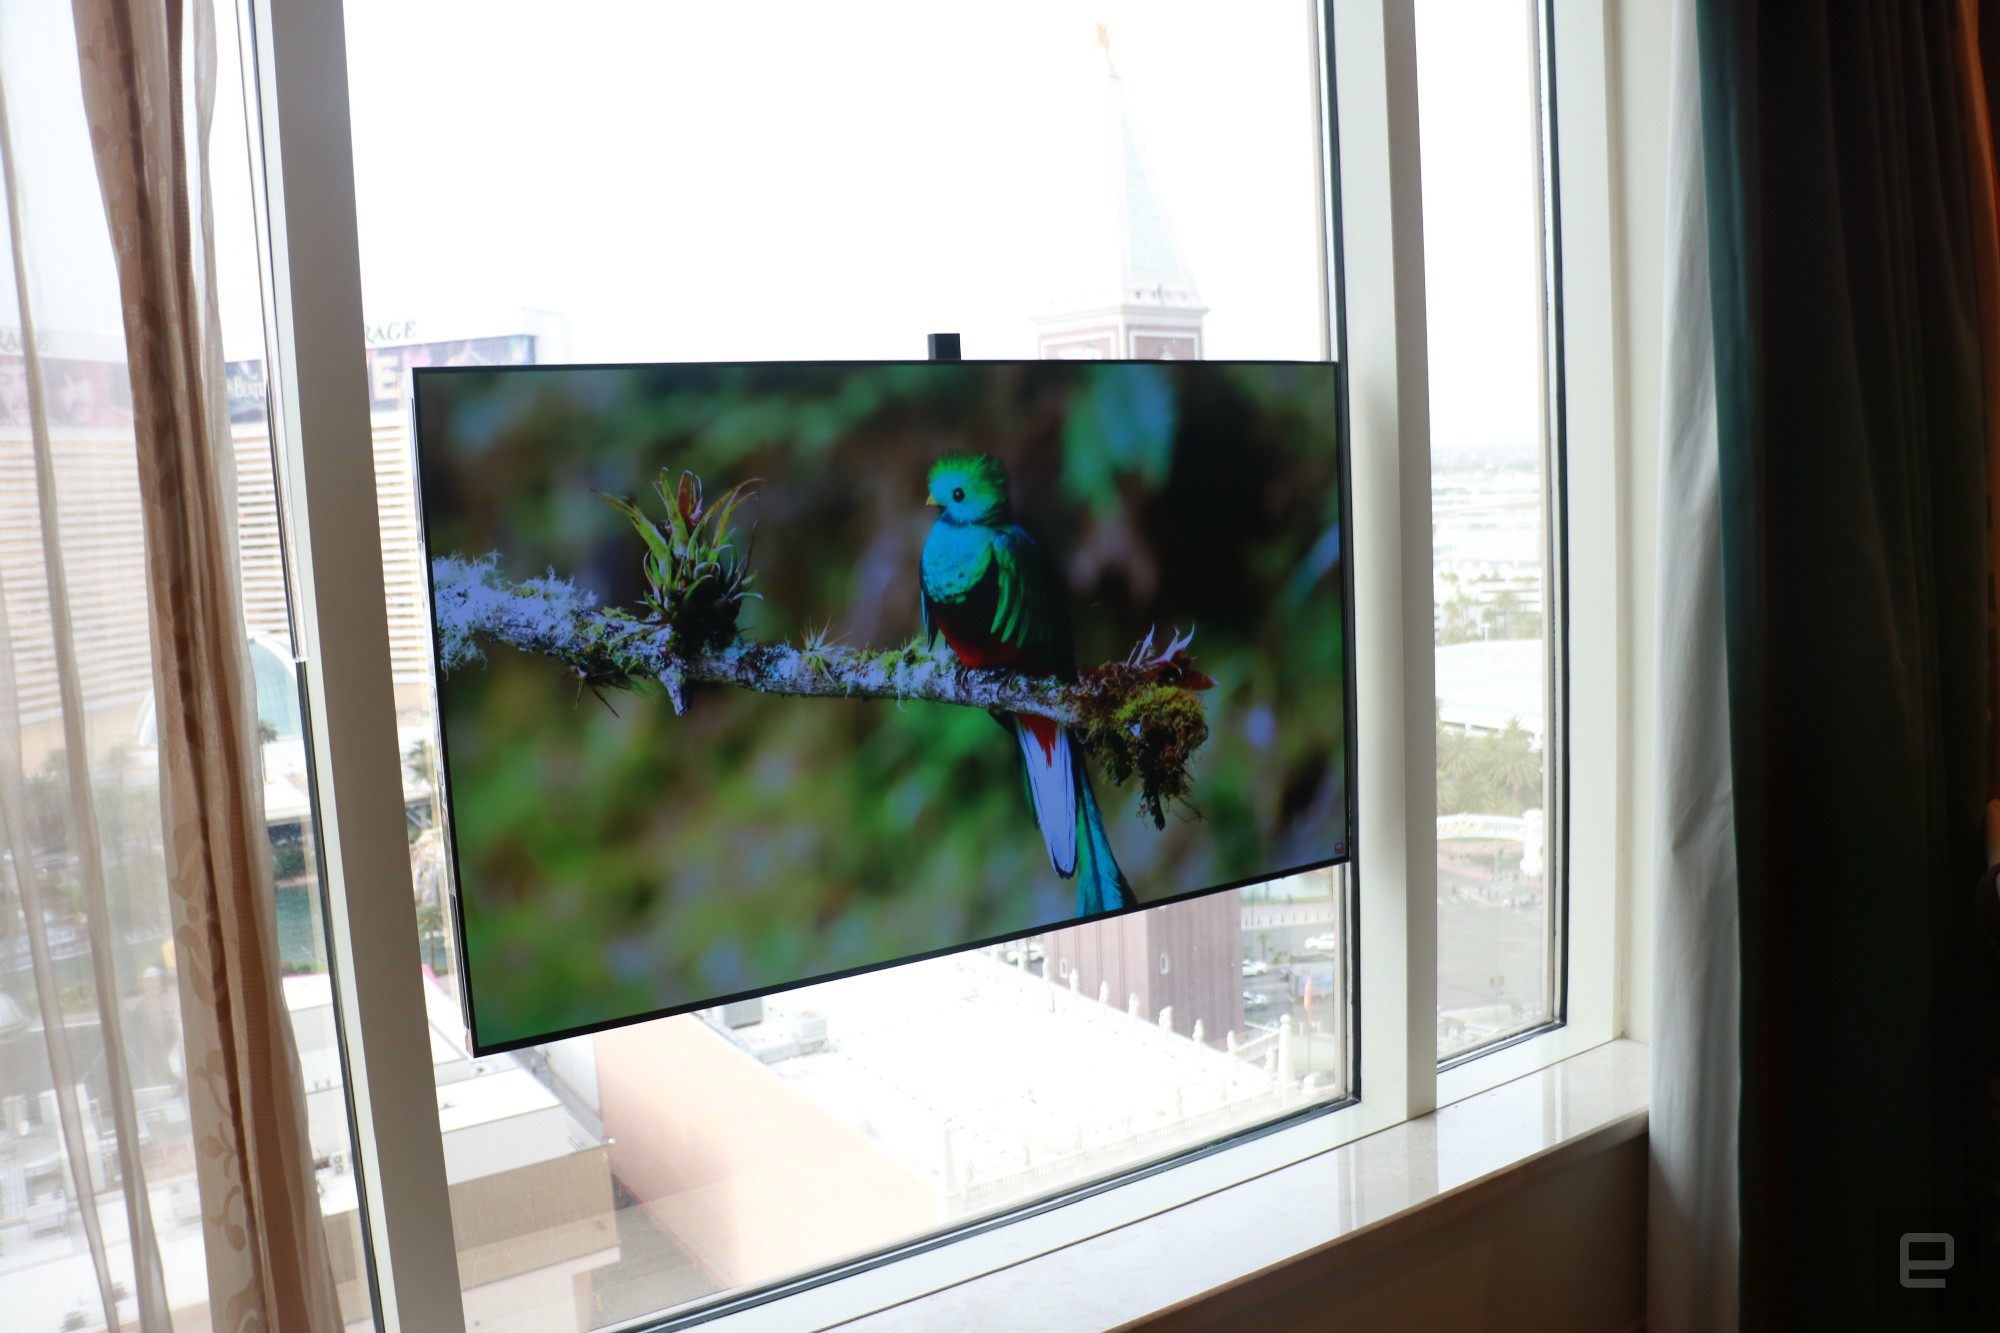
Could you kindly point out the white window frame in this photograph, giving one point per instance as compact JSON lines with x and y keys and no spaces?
{"x":1597,"y":723}
{"x":315,"y":323}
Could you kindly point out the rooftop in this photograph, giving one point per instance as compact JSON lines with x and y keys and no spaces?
{"x":969,"y":1069}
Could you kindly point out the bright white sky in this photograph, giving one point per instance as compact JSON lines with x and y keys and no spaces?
{"x":771,"y":180}
{"x":808,"y":180}
{"x":1476,"y":93}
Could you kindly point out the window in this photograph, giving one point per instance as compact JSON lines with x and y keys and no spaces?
{"x":1489,"y":226}
{"x":1065,"y":208}
{"x":749,"y":193}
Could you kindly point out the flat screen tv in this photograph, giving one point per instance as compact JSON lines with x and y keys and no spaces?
{"x":756,"y":675}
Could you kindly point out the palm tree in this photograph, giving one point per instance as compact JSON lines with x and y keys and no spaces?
{"x":1512,"y":766}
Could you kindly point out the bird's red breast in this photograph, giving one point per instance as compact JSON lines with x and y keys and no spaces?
{"x":979,"y":650}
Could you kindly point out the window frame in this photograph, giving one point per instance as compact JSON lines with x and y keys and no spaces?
{"x":1374,"y":261}
{"x":1594,"y":649}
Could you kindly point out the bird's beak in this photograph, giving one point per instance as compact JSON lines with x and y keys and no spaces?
{"x":932,"y":501}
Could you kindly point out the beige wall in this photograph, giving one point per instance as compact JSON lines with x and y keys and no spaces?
{"x":749,"y":1176}
{"x":1564,"y":1252}
{"x":526,"y":1219}
{"x":533,"y":1227}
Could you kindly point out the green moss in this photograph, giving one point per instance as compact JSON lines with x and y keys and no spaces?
{"x":1138,"y":728}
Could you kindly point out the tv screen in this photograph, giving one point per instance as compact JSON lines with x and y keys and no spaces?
{"x":755,"y":675}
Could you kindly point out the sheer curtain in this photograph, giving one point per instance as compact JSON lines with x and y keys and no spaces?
{"x":156,"y":1157}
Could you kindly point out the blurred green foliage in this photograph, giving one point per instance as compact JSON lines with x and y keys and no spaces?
{"x":615,"y":863}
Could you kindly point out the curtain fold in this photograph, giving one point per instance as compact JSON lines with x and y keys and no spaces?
{"x":1692,"y":1195}
{"x":266,"y":1249}
{"x":1852,"y":451}
{"x":1980,"y":19}
{"x":85,"y":1178}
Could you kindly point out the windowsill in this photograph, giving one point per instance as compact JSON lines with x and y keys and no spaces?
{"x":1357,"y":1198}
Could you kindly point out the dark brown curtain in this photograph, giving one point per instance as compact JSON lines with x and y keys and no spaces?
{"x":1848,"y":248}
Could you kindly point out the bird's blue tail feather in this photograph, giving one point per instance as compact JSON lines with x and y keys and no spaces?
{"x":1100,"y":884}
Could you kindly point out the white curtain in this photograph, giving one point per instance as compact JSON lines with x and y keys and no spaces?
{"x":153,"y":1163}
{"x":1693,"y":1202}
{"x":98,"y":1146}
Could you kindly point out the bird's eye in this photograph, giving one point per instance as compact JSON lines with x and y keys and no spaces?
{"x":958,"y":492}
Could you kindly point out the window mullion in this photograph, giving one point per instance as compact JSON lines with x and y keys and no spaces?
{"x":1382,"y":284}
{"x":319,"y":377}
{"x":1598,"y":728}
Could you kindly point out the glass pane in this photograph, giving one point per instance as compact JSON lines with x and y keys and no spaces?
{"x":291,"y":819}
{"x":1485,"y":284}
{"x":773,"y":181}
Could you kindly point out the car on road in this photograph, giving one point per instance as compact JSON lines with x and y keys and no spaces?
{"x":1252,"y":1001}
{"x":1255,"y":967}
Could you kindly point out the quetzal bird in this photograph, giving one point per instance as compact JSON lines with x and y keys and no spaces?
{"x":998,"y":599}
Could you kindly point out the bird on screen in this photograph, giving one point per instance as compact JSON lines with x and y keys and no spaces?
{"x":998,"y":599}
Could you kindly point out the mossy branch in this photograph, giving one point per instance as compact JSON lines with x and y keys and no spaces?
{"x":1139,"y":718}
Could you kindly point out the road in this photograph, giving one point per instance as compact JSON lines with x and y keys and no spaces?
{"x":1481,"y":941}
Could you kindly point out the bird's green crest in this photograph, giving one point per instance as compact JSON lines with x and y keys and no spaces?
{"x":970,"y":488}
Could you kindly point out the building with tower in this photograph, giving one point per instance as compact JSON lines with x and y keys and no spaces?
{"x":1123,"y":290}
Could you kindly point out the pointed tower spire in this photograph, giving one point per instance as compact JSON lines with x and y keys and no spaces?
{"x":1127,"y":292}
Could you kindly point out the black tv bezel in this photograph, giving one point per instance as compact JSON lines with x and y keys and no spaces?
{"x":1345,"y":848}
